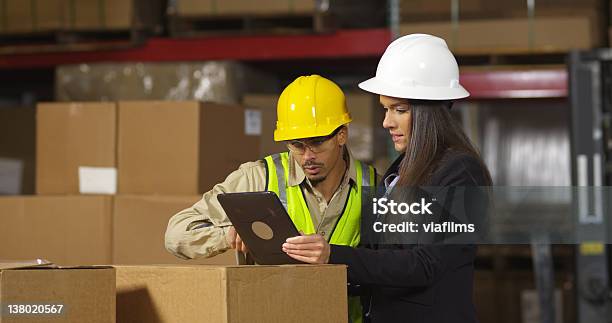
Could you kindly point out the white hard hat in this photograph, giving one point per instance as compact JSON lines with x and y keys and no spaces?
{"x":417,"y":66}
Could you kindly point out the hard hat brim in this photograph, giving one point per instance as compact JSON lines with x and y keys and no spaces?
{"x":314,"y":131}
{"x":377,"y":86}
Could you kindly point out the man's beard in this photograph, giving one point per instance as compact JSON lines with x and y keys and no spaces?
{"x":317,"y":179}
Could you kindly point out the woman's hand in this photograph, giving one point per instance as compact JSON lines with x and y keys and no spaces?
{"x":312,"y":249}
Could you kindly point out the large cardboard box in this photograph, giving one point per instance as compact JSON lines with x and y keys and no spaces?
{"x":432,"y":10}
{"x":218,"y":294}
{"x":123,"y":15}
{"x":244,"y":7}
{"x":442,"y":10}
{"x":80,"y":294}
{"x":181,"y":148}
{"x":99,"y":15}
{"x":139,"y":224}
{"x":361,"y":129}
{"x":17,"y":16}
{"x":66,"y":230}
{"x":266,"y":103}
{"x":17,"y":135}
{"x":70,"y":136}
{"x":546,"y":34}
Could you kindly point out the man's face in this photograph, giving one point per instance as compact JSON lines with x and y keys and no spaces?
{"x":319,"y":156}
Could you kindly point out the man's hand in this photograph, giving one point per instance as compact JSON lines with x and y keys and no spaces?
{"x":235,"y":242}
{"x":312,"y":249}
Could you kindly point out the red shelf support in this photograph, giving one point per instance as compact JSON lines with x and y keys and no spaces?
{"x":340,"y":44}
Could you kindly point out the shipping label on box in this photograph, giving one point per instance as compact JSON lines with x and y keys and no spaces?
{"x":97,"y":180}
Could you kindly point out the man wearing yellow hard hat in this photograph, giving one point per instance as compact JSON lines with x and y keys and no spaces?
{"x":317,"y":179}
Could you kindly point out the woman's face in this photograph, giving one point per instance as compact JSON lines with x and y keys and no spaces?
{"x":398,"y":120}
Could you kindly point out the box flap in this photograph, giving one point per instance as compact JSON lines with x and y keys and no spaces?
{"x":17,"y":264}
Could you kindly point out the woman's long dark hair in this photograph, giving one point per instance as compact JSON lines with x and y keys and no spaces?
{"x":434,"y":131}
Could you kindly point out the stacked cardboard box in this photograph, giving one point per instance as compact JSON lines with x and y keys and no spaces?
{"x":290,"y":293}
{"x":157,"y":147}
{"x":159,"y":156}
{"x":266,"y":103}
{"x":67,"y":230}
{"x":181,"y":148}
{"x":32,"y":16}
{"x":551,"y":26}
{"x":32,"y":293}
{"x":74,"y":140}
{"x":139,"y":223}
{"x":18,"y":17}
{"x":243,"y":7}
{"x":17,"y":150}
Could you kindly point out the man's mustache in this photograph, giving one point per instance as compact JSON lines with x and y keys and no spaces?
{"x":312,"y":163}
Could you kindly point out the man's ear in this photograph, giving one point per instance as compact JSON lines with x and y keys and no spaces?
{"x":343,"y":136}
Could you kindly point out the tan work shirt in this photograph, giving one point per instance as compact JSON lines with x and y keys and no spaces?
{"x":200,"y":231}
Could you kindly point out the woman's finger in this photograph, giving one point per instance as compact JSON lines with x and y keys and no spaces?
{"x":305,"y":253}
{"x":303,"y":246}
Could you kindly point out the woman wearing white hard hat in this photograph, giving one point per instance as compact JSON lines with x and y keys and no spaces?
{"x":417,"y":80}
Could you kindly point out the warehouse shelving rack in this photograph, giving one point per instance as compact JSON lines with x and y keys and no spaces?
{"x":339,"y":45}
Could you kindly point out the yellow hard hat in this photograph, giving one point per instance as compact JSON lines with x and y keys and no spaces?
{"x":311,"y":106}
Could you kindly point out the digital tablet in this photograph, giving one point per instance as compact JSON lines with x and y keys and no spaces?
{"x":262,"y":223}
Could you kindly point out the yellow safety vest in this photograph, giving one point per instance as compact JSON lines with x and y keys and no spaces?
{"x":346,"y":232}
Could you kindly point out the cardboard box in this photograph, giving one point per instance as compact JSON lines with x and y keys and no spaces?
{"x":550,"y":34}
{"x":432,"y":10}
{"x":67,"y":230}
{"x":244,"y":7}
{"x":361,"y":129}
{"x":266,"y":103}
{"x":31,"y":16}
{"x":181,"y":148}
{"x":17,"y":148}
{"x":442,"y":10}
{"x":218,"y":294}
{"x":139,"y":224}
{"x":70,"y":136}
{"x":99,"y":15}
{"x":83,"y":294}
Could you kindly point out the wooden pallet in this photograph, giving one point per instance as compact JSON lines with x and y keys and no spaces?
{"x":181,"y":26}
